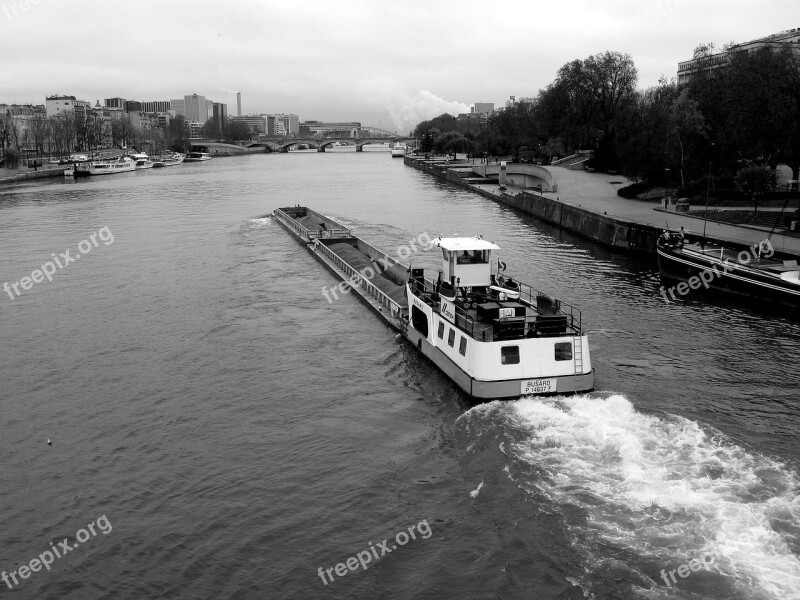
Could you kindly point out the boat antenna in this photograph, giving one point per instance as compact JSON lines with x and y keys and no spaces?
{"x":705,"y":213}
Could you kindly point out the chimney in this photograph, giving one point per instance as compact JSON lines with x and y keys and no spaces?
{"x":238,"y":104}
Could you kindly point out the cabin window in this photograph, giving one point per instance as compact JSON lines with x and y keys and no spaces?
{"x":462,"y":347}
{"x":564,"y":351}
{"x":451,"y":338}
{"x":509,"y":355}
{"x":441,"y":331}
{"x":419,"y":321}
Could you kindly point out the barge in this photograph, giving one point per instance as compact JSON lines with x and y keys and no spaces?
{"x":754,"y":272}
{"x":494,"y":337}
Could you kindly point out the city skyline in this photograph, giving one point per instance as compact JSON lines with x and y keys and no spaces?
{"x":384,"y":65}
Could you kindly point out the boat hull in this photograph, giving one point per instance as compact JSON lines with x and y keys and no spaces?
{"x":731,"y":278}
{"x":493,"y":390}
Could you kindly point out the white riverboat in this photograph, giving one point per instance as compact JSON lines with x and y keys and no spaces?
{"x":110,"y":167}
{"x":197,"y":156}
{"x":493,"y":336}
{"x":142,"y":160}
{"x":168,"y":160}
{"x":399,"y":150}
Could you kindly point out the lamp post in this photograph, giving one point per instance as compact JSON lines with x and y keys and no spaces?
{"x":666,"y":189}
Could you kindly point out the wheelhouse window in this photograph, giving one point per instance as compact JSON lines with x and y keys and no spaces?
{"x":441,"y":331}
{"x":509,"y":355}
{"x":564,"y":351}
{"x":451,"y":338}
{"x":462,"y":346}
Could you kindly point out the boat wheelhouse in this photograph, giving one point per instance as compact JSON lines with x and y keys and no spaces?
{"x":142,"y":160}
{"x":493,"y":336}
{"x":399,"y":150}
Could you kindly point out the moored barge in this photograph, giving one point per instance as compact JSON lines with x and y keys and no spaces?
{"x":491,"y":335}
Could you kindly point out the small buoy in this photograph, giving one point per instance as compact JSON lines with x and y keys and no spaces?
{"x":49,"y":443}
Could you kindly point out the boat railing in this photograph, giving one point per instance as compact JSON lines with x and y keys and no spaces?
{"x":311,"y":234}
{"x":395,"y":310}
{"x":545,"y":305}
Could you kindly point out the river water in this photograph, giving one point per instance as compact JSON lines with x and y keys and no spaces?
{"x":234,"y":434}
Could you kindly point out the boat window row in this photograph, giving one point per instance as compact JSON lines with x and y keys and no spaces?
{"x":509,"y":355}
{"x":451,"y":339}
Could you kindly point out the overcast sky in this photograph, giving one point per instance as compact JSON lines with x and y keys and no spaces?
{"x":384,"y":63}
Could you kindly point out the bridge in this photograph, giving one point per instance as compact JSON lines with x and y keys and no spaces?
{"x":283,"y":144}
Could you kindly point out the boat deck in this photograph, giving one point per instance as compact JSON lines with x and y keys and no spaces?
{"x":487,"y":317}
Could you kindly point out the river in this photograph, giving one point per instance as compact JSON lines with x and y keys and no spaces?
{"x":232,"y":434}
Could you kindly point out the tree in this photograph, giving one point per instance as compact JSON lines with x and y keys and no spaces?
{"x":452,"y":141}
{"x":755,"y":181}
{"x":176,"y":137}
{"x":689,"y":127}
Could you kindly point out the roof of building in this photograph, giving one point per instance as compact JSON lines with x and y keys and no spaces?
{"x":465,"y":243}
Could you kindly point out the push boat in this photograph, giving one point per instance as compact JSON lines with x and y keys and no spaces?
{"x":753,"y":272}
{"x":197,"y":156}
{"x":493,"y":336}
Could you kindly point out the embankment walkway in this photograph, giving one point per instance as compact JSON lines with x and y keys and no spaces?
{"x":587,"y":204}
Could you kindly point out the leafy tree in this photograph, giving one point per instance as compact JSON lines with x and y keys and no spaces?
{"x":176,"y":136}
{"x":755,"y":181}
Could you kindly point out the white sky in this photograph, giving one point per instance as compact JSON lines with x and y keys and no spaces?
{"x":388,"y":63}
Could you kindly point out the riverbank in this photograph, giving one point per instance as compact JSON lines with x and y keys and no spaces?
{"x":587,"y":205}
{"x":24,"y":174}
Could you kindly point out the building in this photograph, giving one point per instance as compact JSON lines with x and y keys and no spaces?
{"x":115,"y":102}
{"x":238,"y":104}
{"x":256,"y":123}
{"x":157,"y":106}
{"x":706,"y":64}
{"x":194,"y":128}
{"x":483,"y":108}
{"x":283,"y":125}
{"x":220,"y":116}
{"x":196,"y":108}
{"x":57,"y":105}
{"x":178,"y":106}
{"x":331,"y":130}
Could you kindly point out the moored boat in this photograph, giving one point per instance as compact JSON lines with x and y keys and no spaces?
{"x":197,"y":156}
{"x":142,"y":160}
{"x":399,"y":150}
{"x":168,"y":160}
{"x":110,"y":167}
{"x":753,"y":272}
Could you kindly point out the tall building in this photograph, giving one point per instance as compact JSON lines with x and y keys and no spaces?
{"x":133,"y":106}
{"x":179,"y":106}
{"x":196,"y":108}
{"x":689,"y":68}
{"x":238,"y":104}
{"x":483,"y":108}
{"x":115,"y":102}
{"x":220,"y":115}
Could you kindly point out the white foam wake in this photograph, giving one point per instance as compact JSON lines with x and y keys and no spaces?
{"x":667,"y":489}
